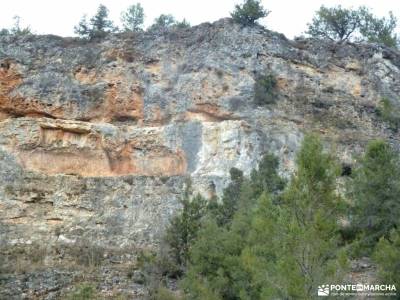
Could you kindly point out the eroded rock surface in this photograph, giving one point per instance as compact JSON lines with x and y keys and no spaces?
{"x":98,"y":139}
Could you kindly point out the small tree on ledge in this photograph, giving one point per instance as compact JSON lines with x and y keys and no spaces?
{"x":133,"y":18}
{"x":97,"y":27}
{"x":249,"y":12}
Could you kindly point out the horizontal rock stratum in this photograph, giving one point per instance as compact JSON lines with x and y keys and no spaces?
{"x":99,"y":139}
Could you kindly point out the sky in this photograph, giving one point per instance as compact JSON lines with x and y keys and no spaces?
{"x":59,"y":17}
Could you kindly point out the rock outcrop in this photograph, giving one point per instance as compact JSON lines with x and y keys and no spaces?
{"x":99,"y":139}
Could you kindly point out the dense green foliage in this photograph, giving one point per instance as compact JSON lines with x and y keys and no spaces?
{"x":83,"y":292}
{"x":182,"y":24}
{"x":310,"y":239}
{"x":376,"y":194}
{"x":386,"y":255}
{"x":249,"y":12}
{"x":380,"y":30}
{"x":223,"y":212}
{"x":184,"y":228}
{"x":265,"y":90}
{"x":336,"y":23}
{"x":164,"y":22}
{"x":97,"y":27}
{"x":269,"y":239}
{"x":266,"y":177}
{"x":273,"y":250}
{"x":341,"y":24}
{"x":133,"y":18}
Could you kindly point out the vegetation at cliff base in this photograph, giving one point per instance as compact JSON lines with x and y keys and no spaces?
{"x":386,"y":255}
{"x":269,"y":238}
{"x":375,"y":191}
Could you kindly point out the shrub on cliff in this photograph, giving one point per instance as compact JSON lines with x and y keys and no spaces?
{"x":163,"y":22}
{"x":265,"y":90}
{"x":390,"y":114}
{"x":84,"y":291}
{"x":133,"y":18}
{"x":249,"y":12}
{"x":97,"y":27}
{"x":182,"y":24}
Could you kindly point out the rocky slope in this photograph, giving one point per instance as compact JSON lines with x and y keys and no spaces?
{"x":99,"y":139}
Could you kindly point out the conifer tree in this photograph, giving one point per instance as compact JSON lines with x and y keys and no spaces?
{"x":97,"y":27}
{"x":386,"y":255}
{"x":133,"y":18}
{"x":376,"y":194}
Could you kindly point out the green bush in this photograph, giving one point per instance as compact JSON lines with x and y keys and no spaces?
{"x":375,"y":192}
{"x":390,"y":114}
{"x":163,"y":22}
{"x":149,"y":274}
{"x":152,"y":270}
{"x":84,"y":254}
{"x":265,"y":90}
{"x":386,"y":255}
{"x":182,"y":24}
{"x":249,"y":12}
{"x":163,"y":294}
{"x":132,"y":19}
{"x":83,"y":292}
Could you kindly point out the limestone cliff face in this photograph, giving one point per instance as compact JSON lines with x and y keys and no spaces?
{"x":97,"y":139}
